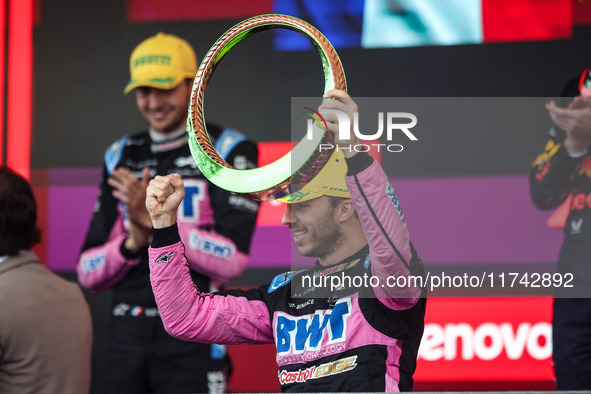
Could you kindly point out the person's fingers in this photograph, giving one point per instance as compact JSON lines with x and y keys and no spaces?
{"x":176,"y":181}
{"x":153,"y":191}
{"x":160,"y":192}
{"x":129,"y":180}
{"x":339,"y":97}
{"x":581,"y":102}
{"x":160,"y":189}
{"x":336,"y":93}
{"x":576,"y":103}
{"x":123,"y":180}
{"x":329,"y":118}
{"x":330,"y":104}
{"x":121,"y":196}
{"x":145,"y":176}
{"x":123,"y":175}
{"x":122,"y":171}
{"x":337,"y":100}
{"x":151,"y":194}
{"x":337,"y":104}
{"x":161,"y":181}
{"x":554,"y":109}
{"x":328,"y":114}
{"x":115,"y":183}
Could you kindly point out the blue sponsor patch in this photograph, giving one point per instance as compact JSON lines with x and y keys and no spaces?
{"x":210,"y":247}
{"x":395,"y":202}
{"x":281,"y":280}
{"x":366,"y":262}
{"x":113,"y":154}
{"x":218,"y":352}
{"x":228,"y":141}
{"x":93,"y":263}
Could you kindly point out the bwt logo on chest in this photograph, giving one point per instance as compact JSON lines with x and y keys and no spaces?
{"x":309,"y":332}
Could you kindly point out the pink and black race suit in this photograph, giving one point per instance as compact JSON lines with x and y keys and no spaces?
{"x":347,"y":339}
{"x":215,"y":225}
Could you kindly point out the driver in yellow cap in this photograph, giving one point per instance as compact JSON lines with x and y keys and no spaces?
{"x":215,"y":225}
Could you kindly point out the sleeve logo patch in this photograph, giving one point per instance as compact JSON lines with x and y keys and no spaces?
{"x":165,"y":258}
{"x":214,"y":248}
{"x":392,"y":195}
{"x":281,"y":280}
{"x":93,"y":263}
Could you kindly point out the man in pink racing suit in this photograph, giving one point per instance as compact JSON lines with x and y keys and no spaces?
{"x":328,"y":338}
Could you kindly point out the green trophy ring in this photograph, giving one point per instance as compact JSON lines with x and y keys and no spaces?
{"x":298,"y":166}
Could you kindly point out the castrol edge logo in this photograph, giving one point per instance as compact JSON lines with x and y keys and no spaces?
{"x":320,"y":371}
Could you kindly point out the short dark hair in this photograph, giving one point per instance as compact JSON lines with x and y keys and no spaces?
{"x":334,"y":201}
{"x":18,"y":214}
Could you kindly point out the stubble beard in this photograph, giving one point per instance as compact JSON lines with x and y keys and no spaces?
{"x":327,"y":235}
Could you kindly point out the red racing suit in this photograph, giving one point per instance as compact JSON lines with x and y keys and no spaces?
{"x":555,"y":176}
{"x":354,"y":339}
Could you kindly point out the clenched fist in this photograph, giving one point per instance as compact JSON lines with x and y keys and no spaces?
{"x":163,"y":197}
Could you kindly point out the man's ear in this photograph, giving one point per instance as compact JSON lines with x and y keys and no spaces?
{"x":345,"y":210}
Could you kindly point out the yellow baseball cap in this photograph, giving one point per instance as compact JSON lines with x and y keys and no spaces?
{"x":161,"y":61}
{"x":330,"y":181}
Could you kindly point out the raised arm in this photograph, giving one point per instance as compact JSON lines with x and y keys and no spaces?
{"x":554,"y":170}
{"x":379,"y":212}
{"x":230,"y":317}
